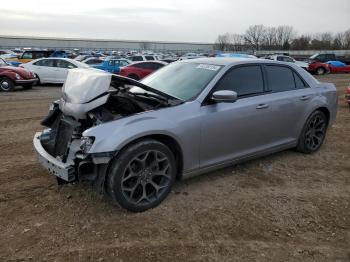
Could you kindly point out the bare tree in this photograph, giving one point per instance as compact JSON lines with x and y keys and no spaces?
{"x":254,"y":35}
{"x":284,"y":36}
{"x":237,"y":42}
{"x":223,"y":42}
{"x":270,"y":38}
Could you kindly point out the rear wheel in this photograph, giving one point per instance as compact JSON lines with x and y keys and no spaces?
{"x":142,"y":176}
{"x":320,"y":71}
{"x":6,"y":84}
{"x":313,"y":133}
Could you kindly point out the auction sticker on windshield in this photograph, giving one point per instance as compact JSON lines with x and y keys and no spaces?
{"x":209,"y":67}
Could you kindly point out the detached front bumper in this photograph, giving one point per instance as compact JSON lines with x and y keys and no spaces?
{"x":65,"y":171}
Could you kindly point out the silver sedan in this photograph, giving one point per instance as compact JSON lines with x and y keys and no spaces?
{"x":133,"y":139}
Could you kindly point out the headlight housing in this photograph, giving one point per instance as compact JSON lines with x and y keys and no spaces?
{"x":86,"y":143}
{"x":18,"y":76}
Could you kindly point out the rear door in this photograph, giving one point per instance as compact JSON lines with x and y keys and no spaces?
{"x":62,"y":67}
{"x":288,"y":99}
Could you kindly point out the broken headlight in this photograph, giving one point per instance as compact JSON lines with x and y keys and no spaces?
{"x":86,"y":143}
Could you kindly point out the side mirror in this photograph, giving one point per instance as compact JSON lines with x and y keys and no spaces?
{"x":70,"y":67}
{"x":225,"y":96}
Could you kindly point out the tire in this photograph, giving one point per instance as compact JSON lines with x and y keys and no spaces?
{"x":320,"y":71}
{"x":313,"y":133}
{"x":38,"y":83}
{"x":6,"y":84}
{"x":142,"y":176}
{"x":133,"y":76}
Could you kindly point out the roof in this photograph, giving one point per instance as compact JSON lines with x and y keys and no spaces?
{"x":222,"y":61}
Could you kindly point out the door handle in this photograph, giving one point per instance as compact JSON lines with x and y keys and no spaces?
{"x":262,"y":106}
{"x":304,"y":98}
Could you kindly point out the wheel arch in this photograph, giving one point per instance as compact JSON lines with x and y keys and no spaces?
{"x":326,"y":111}
{"x":167,"y":140}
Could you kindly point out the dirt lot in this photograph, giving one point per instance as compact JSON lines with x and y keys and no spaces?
{"x":287,"y":206}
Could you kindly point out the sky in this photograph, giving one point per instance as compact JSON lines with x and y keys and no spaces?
{"x":167,"y":20}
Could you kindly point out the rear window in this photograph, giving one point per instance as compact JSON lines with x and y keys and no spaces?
{"x":137,"y":58}
{"x":148,"y":57}
{"x":280,"y":78}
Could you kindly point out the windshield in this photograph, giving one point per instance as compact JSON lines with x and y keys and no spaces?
{"x":181,"y":80}
{"x":314,"y":56}
{"x":2,"y":62}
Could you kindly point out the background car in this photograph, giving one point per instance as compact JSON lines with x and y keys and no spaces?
{"x":112,"y":65}
{"x":139,"y":70}
{"x":52,"y":70}
{"x":136,"y":58}
{"x":30,"y":55}
{"x":318,"y":68}
{"x":92,"y":61}
{"x":11,"y":76}
{"x":288,"y":59}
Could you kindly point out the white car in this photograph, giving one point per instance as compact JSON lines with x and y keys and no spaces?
{"x":52,"y":70}
{"x":137,"y":58}
{"x":289,"y":59}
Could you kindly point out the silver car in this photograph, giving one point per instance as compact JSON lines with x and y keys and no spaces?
{"x":134,"y":139}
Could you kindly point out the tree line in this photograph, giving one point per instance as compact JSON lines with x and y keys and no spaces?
{"x":260,"y":37}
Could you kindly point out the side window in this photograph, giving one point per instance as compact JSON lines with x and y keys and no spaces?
{"x":123,"y":63}
{"x":27,"y":55}
{"x":299,"y":83}
{"x":156,"y":66}
{"x":64,"y":64}
{"x":280,"y":78}
{"x":245,"y":80}
{"x":111,"y":63}
{"x":148,"y":57}
{"x":45,"y":62}
{"x":280,"y":58}
{"x":137,"y":58}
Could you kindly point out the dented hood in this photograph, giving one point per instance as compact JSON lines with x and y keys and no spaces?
{"x":83,"y":85}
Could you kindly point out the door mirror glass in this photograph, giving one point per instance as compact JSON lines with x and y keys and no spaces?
{"x":225,"y":96}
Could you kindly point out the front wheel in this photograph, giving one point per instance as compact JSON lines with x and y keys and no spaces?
{"x":6,"y":84}
{"x":142,"y":176}
{"x":313,"y":133}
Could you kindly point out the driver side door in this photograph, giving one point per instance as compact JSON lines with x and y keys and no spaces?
{"x":234,"y":130}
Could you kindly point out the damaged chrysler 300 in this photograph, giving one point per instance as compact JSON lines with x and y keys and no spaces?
{"x":133,"y":139}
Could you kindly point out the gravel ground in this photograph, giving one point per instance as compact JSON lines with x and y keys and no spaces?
{"x":284,"y":207}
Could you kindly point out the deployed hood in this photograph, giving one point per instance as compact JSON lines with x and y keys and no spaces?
{"x":83,"y":85}
{"x":86,"y":89}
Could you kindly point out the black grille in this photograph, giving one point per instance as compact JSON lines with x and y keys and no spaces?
{"x":63,"y":137}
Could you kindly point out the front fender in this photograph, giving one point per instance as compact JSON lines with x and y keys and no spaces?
{"x":115,"y":135}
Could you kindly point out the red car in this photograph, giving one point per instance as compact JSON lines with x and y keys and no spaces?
{"x":347,"y":95}
{"x":339,"y":69}
{"x":139,"y":70}
{"x":318,"y":68}
{"x":11,"y":76}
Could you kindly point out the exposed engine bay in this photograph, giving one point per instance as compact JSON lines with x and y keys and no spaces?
{"x":76,"y":112}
